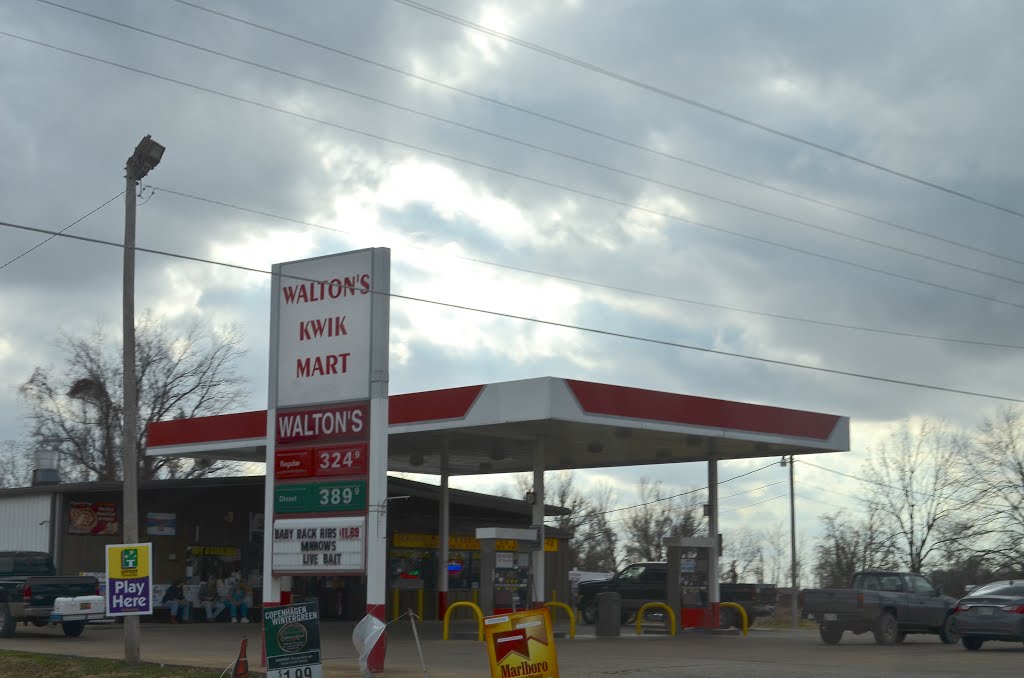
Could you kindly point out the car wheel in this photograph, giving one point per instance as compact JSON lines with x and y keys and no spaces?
{"x":948,"y":633}
{"x":900,"y":637}
{"x":727,"y":619}
{"x":588,"y":612}
{"x":73,"y":629}
{"x":830,"y":633}
{"x":972,"y":643}
{"x":7,"y":623}
{"x":886,"y":629}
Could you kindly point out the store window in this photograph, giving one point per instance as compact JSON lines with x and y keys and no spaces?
{"x":413,"y":568}
{"x":463,"y":570}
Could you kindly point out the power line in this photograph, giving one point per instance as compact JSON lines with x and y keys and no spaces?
{"x":804,"y":483}
{"x":740,"y":508}
{"x":818,"y":501}
{"x":601,"y":135}
{"x":517,"y":175}
{"x":60,"y":232}
{"x":927,"y":495}
{"x":593,"y":283}
{"x":756,"y":489}
{"x":706,"y":107}
{"x":560,"y":325}
{"x":541,"y":148}
{"x":689,"y":492}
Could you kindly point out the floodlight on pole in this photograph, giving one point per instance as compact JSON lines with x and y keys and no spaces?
{"x":147,"y":155}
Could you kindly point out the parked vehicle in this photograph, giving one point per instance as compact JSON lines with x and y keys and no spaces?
{"x":991,"y":612}
{"x":889,"y":604}
{"x":29,"y":585}
{"x":641,"y":583}
{"x":757,"y":600}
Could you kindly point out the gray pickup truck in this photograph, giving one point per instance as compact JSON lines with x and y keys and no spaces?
{"x":889,"y":604}
{"x":29,"y":585}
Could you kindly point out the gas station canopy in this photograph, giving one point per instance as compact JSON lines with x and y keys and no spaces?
{"x":496,"y":428}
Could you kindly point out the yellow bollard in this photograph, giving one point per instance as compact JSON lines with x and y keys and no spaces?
{"x":743,"y":614}
{"x":671,"y":616}
{"x":476,"y":610}
{"x":572,"y":616}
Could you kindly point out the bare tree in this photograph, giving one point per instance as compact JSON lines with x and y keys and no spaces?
{"x":850,"y":545}
{"x":743,"y":555}
{"x":658,"y":516}
{"x":15,"y":465}
{"x":593,"y":542}
{"x":776,"y":555}
{"x":77,"y":409}
{"x":997,"y":459}
{"x":756,"y":554}
{"x":915,"y":487}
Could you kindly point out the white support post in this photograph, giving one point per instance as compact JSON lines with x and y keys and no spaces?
{"x":271,"y":583}
{"x":539,"y":595}
{"x":714,"y":595}
{"x":377,"y":490}
{"x":442,"y":583}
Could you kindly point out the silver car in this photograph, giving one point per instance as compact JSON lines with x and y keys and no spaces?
{"x":991,"y":612}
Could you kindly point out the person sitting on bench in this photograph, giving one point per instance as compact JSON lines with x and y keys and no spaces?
{"x":174,"y":599}
{"x":210,"y":600}
{"x":238,"y":601}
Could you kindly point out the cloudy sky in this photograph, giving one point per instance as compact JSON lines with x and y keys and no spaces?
{"x":830,"y":184}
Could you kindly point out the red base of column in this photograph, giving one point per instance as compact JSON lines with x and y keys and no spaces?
{"x":286,"y":597}
{"x":375,"y":662}
{"x":713,"y":616}
{"x":442,"y":604}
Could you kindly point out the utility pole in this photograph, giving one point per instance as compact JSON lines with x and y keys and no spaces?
{"x":146,"y":156}
{"x":792,"y":547}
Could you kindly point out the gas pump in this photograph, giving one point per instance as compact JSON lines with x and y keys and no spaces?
{"x":506,"y":578}
{"x":689,"y":581}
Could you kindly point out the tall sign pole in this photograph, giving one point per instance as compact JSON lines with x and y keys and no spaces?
{"x":327,"y":424}
{"x":377,"y":540}
{"x":146,"y":156}
{"x":794,"y":613}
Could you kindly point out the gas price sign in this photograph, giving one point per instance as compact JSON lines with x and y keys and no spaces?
{"x":330,"y":497}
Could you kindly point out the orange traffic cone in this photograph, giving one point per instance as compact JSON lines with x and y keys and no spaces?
{"x":241,"y":669}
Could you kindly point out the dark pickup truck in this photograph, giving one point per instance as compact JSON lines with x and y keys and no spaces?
{"x":889,"y":604}
{"x":641,"y":583}
{"x":29,"y":585}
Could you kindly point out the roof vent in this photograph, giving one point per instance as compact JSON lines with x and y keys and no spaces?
{"x":45,"y":472}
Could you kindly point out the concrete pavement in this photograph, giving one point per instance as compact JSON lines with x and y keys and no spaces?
{"x":764,"y":654}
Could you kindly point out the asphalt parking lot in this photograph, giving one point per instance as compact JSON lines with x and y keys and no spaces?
{"x":762,"y":654}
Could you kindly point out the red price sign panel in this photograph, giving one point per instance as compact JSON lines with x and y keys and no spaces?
{"x":340,"y":460}
{"x":293,"y":464}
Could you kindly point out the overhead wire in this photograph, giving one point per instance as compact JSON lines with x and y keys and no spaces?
{"x":473,"y":163}
{"x":598,"y":134}
{"x":819,"y":501}
{"x":543,"y":149}
{"x":765,"y":501}
{"x":867,"y":481}
{"x":684,"y":494}
{"x":560,"y":325}
{"x":63,"y":230}
{"x":594,"y":283}
{"x":706,"y":107}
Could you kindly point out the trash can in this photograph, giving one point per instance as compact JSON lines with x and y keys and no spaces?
{"x":609,"y":614}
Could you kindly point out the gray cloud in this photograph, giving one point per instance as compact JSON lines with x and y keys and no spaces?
{"x":923,"y":87}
